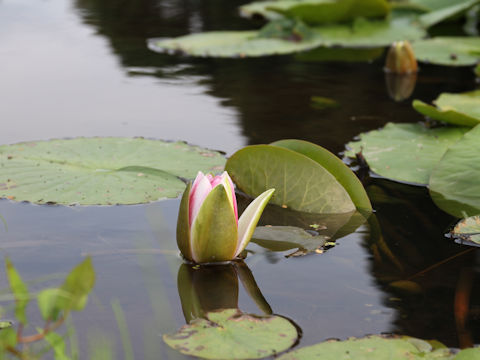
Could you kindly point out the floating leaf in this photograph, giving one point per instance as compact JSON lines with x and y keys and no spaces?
{"x":468,"y":229}
{"x":446,"y":12}
{"x":452,"y":51}
{"x":405,"y":152}
{"x":454,"y":184}
{"x":282,"y":238}
{"x":5,"y":324}
{"x":321,"y":103}
{"x":459,"y":109}
{"x":328,"y":11}
{"x":371,"y":347}
{"x":468,"y":354}
{"x":340,"y":54}
{"x":19,"y":290}
{"x":335,"y":166}
{"x":100,"y":171}
{"x":300,"y":183}
{"x":230,"y":334}
{"x":231,"y":44}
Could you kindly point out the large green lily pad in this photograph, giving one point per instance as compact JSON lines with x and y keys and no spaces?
{"x":231,"y":44}
{"x":335,"y":166}
{"x":300,"y":183}
{"x":453,"y":50}
{"x":100,"y":171}
{"x":230,"y":334}
{"x":443,"y":11}
{"x":361,"y":33}
{"x":468,"y":229}
{"x":459,"y":109}
{"x":405,"y":152}
{"x":329,"y":11}
{"x":368,"y":348}
{"x":454,"y":184}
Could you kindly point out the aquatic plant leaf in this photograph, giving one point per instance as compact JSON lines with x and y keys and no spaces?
{"x":230,"y":334}
{"x":282,"y":238}
{"x":405,"y":152}
{"x":468,"y":229}
{"x":300,"y":183}
{"x":57,"y":342}
{"x":340,"y":54}
{"x":454,"y":184}
{"x":459,"y":109}
{"x":361,"y":33}
{"x":330,"y":11}
{"x":231,"y":44}
{"x":5,"y":324}
{"x":317,"y":11}
{"x":468,"y":354}
{"x":19,"y":290}
{"x":100,"y":171}
{"x":448,"y":50}
{"x":335,"y":166}
{"x":446,"y":12}
{"x":370,"y":347}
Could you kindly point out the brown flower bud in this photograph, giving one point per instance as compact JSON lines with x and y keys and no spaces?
{"x":401,"y":59}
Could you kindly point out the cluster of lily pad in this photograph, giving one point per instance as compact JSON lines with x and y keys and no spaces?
{"x":300,"y":25}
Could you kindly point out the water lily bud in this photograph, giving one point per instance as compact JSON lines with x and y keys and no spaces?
{"x":208,"y":227}
{"x":401,"y":58}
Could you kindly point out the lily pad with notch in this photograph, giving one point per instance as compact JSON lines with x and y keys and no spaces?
{"x":100,"y":171}
{"x":405,"y":152}
{"x":230,"y":334}
{"x":459,"y":109}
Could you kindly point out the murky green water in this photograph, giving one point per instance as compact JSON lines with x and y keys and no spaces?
{"x":82,"y":68}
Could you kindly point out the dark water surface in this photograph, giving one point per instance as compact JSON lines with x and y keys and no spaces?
{"x":82,"y":68}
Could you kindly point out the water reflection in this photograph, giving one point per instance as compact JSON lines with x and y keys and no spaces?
{"x":208,"y":288}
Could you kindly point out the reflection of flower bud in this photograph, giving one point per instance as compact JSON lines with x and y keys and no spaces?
{"x":401,"y":59}
{"x":400,"y":86}
{"x":208,"y":228}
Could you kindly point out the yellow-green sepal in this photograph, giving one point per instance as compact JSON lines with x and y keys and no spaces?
{"x":214,"y":231}
{"x":183,"y":226}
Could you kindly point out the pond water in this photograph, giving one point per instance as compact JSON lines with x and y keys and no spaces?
{"x":82,"y":68}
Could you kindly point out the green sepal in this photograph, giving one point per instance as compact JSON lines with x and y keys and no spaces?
{"x":214,"y":231}
{"x":183,"y":226}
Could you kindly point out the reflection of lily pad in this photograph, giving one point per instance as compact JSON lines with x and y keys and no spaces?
{"x":454,"y":184}
{"x":300,"y":183}
{"x":100,"y":170}
{"x":454,"y":51}
{"x":282,"y":238}
{"x":468,"y":229}
{"x":230,"y":334}
{"x":459,"y":109}
{"x":371,"y":347}
{"x":405,"y":152}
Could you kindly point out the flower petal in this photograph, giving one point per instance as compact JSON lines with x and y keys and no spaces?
{"x":199,"y":192}
{"x":214,"y":231}
{"x":183,"y":226}
{"x":249,"y":219}
{"x":228,"y":184}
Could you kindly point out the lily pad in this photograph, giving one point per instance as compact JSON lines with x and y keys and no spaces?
{"x":100,"y":171}
{"x":459,"y":109}
{"x":340,"y":54}
{"x":282,"y":238}
{"x":448,"y":10}
{"x":329,"y":11}
{"x":335,"y":166}
{"x":468,"y":229}
{"x":231,"y":44}
{"x":454,"y":184}
{"x":371,"y":347}
{"x":230,"y":334}
{"x":300,"y":183}
{"x":452,"y":51}
{"x":405,"y":152}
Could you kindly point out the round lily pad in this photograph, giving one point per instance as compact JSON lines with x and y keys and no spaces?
{"x":230,"y":334}
{"x":370,"y":348}
{"x":101,"y":171}
{"x":454,"y":184}
{"x":405,"y":152}
{"x":468,"y":229}
{"x":452,"y":51}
